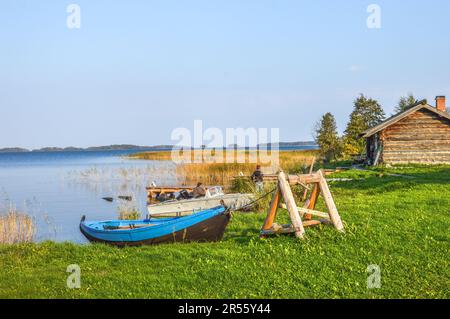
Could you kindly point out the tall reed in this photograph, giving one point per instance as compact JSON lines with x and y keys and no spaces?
{"x":128,"y":210}
{"x":16,"y":227}
{"x":199,"y":168}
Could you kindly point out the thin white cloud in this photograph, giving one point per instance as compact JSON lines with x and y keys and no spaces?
{"x":355,"y":68}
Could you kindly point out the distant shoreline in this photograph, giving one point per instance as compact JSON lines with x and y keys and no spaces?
{"x":87,"y":149}
{"x":128,"y":147}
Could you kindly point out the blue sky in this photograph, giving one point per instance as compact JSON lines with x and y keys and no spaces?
{"x":136,"y":70}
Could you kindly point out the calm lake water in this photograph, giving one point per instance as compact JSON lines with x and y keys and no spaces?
{"x":58,"y":188}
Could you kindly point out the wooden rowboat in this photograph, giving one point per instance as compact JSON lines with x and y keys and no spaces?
{"x":207,"y":225}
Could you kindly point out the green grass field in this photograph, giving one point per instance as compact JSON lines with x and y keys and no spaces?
{"x":401,"y":224}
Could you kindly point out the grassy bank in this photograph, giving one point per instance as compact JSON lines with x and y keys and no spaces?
{"x":399,"y":223}
{"x":224,"y":170}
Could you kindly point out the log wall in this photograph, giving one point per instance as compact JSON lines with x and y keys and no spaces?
{"x":422,"y":137}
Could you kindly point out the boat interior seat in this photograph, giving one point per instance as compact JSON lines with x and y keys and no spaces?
{"x":184,"y":194}
{"x":130,"y":226}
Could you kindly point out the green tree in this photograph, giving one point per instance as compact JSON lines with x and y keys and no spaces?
{"x":366,"y":113}
{"x":327,"y":138}
{"x":405,"y":102}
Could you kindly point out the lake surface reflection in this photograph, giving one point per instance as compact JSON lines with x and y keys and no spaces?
{"x":57,"y":188}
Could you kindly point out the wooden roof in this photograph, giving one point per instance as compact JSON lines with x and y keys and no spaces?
{"x":394,"y":119}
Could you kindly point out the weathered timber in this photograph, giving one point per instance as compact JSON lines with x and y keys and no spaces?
{"x":423,"y":136}
{"x":291,"y":206}
{"x":329,"y":202}
{"x":309,"y":223}
{"x":419,"y":142}
{"x":424,"y":152}
{"x":296,"y":213}
{"x":288,"y":229}
{"x":313,"y":212}
{"x":275,"y":202}
{"x":294,"y":179}
{"x":303,"y":179}
{"x":278,"y":231}
{"x":304,"y":211}
{"x":417,"y":129}
{"x":314,"y":196}
{"x":413,"y":160}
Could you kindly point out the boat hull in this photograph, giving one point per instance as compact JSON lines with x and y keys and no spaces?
{"x":207,"y":230}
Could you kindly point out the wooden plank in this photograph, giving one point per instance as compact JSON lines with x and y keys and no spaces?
{"x":424,"y":153}
{"x":418,"y":138}
{"x":415,"y":149}
{"x":329,"y":202}
{"x":314,"y":196}
{"x":414,"y":136}
{"x":419,"y":152}
{"x":294,"y":179}
{"x":279,"y":231}
{"x":443,"y":141}
{"x":272,"y":212}
{"x":291,"y":205}
{"x":310,"y":223}
{"x":429,"y":158}
{"x":287,"y":229}
{"x":420,"y":132}
{"x":312,"y":201}
{"x":303,"y":211}
{"x":417,"y":162}
{"x":426,"y":157}
{"x":303,"y":179}
{"x":314,"y":212}
{"x":432,"y":144}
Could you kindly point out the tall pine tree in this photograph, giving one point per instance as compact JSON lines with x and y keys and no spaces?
{"x":366,"y":113}
{"x":405,"y":102}
{"x":327,"y":138}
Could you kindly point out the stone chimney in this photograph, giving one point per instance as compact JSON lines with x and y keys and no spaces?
{"x":440,"y":103}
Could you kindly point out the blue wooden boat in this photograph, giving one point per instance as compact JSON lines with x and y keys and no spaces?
{"x":207,"y":225}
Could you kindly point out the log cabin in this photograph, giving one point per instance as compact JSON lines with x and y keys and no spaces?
{"x":420,"y":134}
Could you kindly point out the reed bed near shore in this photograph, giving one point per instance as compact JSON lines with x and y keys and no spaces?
{"x":128,"y":213}
{"x":16,"y":227}
{"x":129,"y":210}
{"x":199,"y":166}
{"x":229,"y":156}
{"x":107,"y":181}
